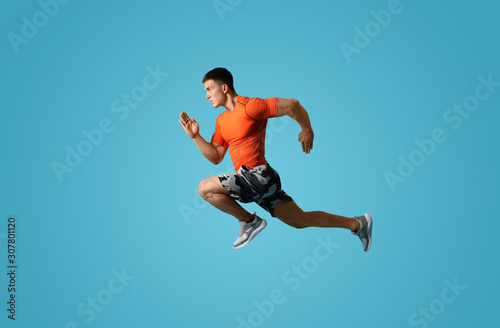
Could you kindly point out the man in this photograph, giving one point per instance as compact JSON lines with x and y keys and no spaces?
{"x":242,"y":129}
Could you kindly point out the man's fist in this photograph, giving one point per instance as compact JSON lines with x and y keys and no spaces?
{"x":306,"y":138}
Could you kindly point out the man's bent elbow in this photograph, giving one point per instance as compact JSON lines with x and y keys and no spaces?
{"x":215,"y":161}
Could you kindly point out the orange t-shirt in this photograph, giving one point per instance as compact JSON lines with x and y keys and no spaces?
{"x":243,"y":130}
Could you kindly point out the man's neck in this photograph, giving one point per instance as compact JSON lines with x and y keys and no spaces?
{"x":231,"y":102}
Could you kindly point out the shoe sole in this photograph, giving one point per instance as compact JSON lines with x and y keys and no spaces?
{"x":253,"y":234}
{"x":369,"y":222}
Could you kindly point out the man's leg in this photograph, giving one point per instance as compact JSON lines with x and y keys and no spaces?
{"x":213,"y":192}
{"x":291,"y":214}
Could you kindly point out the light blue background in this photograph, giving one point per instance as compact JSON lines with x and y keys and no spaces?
{"x":122,"y":206}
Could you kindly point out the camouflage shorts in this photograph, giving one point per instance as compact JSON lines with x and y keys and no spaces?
{"x":261,"y":185}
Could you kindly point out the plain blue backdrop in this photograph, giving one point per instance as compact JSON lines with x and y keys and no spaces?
{"x":119,"y":237}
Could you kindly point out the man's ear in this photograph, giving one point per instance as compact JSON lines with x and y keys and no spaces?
{"x":225,"y":88}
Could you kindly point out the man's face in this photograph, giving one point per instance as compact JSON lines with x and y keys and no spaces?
{"x":215,"y":93}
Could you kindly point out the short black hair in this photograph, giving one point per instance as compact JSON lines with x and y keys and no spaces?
{"x":221,"y":76}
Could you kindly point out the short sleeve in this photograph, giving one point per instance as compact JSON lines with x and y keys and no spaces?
{"x":217,"y":136}
{"x":260,"y":109}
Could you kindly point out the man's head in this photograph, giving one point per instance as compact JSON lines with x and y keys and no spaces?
{"x":218,"y":84}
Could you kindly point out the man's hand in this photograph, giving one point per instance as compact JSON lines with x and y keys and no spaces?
{"x":190,"y":125}
{"x":306,"y":137}
{"x":212,"y":151}
{"x":292,"y":108}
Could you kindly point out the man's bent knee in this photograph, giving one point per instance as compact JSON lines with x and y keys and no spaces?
{"x":204,"y":188}
{"x":208,"y":187}
{"x":291,"y":214}
{"x":297,"y":224}
{"x":294,"y":222}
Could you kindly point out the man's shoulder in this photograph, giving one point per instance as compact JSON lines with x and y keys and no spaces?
{"x":253,"y":101}
{"x":243,"y":100}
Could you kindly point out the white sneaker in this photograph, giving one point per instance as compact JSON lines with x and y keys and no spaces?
{"x":365,"y":230}
{"x":248,"y":230}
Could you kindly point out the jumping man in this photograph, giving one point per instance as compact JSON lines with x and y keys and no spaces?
{"x":242,"y":129}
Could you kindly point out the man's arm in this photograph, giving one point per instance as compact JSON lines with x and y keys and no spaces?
{"x":292,"y":108}
{"x":212,"y":151}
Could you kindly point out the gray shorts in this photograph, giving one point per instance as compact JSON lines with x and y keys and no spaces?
{"x":261,"y":185}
